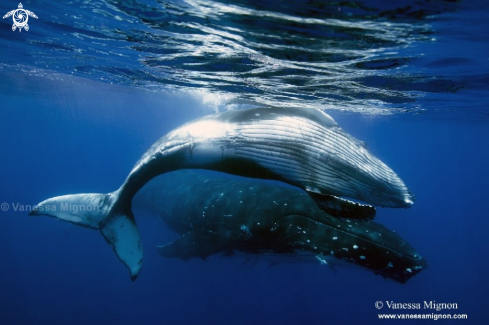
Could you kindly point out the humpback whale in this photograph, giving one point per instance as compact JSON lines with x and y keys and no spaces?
{"x":239,"y":215}
{"x":302,"y":147}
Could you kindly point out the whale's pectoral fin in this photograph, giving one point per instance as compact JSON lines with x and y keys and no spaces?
{"x":95,"y":211}
{"x":196,"y":243}
{"x":342,"y":208}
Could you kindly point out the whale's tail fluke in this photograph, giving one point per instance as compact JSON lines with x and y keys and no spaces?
{"x":98,"y":211}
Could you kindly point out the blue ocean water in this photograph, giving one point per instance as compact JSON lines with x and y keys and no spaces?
{"x":93,"y":84}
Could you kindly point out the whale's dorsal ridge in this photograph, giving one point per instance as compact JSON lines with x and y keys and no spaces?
{"x":273,"y":112}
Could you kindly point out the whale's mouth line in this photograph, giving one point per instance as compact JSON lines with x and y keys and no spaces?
{"x":417,"y":257}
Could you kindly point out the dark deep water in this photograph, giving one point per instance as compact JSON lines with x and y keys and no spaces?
{"x":93,"y":84}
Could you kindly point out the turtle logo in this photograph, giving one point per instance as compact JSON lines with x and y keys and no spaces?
{"x":20,"y":17}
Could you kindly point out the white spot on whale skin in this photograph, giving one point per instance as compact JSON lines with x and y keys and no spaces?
{"x":362,"y":257}
{"x":390,"y":264}
{"x":321,"y":260}
{"x":335,"y":238}
{"x":308,"y":241}
{"x":246,"y":230}
{"x":355,"y":247}
{"x":345,"y":249}
{"x":409,"y":270}
{"x":418,"y":267}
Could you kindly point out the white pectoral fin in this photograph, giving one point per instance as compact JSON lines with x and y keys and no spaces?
{"x":30,"y":13}
{"x":95,"y":211}
{"x":8,"y":14}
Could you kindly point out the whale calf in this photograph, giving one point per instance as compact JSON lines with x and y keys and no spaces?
{"x":237,"y":215}
{"x":302,"y":147}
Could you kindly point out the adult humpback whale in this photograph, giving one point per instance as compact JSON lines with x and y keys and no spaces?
{"x":302,"y":147}
{"x":258,"y":218}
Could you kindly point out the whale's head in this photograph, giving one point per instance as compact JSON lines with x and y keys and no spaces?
{"x":312,"y":151}
{"x":333,"y":242}
{"x":349,"y":169}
